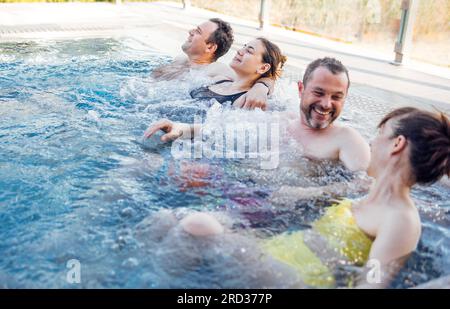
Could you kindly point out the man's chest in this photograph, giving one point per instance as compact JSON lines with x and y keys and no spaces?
{"x":319,"y":147}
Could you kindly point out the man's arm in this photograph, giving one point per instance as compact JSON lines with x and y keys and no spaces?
{"x":268,"y":83}
{"x":257,"y":96}
{"x":354,"y":151}
{"x":171,"y":70}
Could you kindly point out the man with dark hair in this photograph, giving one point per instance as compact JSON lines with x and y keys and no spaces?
{"x":206,"y":43}
{"x":222,"y":37}
{"x":333,"y":65}
{"x":322,"y":95}
{"x":323,"y":92}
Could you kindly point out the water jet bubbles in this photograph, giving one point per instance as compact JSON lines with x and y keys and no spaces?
{"x":127,"y":212}
{"x":130,"y":263}
{"x":93,"y":115}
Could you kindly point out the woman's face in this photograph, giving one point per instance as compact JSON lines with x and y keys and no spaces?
{"x":381,"y":148}
{"x":248,"y":59}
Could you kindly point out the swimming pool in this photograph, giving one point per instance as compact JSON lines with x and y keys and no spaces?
{"x":75,"y":181}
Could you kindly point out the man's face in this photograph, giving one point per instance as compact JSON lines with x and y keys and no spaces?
{"x":196,"y":42}
{"x":323,"y":98}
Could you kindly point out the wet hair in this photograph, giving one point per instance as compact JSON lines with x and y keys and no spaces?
{"x":333,"y":65}
{"x":428,"y":135}
{"x":222,"y":37}
{"x":274,"y":57}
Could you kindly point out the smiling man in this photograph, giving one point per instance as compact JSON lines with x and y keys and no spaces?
{"x":322,"y":96}
{"x":205,"y":44}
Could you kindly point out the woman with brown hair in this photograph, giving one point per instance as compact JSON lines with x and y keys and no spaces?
{"x":256,"y":60}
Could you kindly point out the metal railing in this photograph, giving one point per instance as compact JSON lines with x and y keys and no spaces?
{"x":405,"y":33}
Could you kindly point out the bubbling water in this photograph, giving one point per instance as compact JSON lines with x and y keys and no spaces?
{"x":77,"y":181}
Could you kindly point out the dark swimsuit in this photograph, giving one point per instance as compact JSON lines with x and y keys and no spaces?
{"x":205,"y":93}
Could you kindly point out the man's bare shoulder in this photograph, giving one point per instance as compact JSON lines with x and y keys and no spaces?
{"x":220,"y":69}
{"x":348,"y":133}
{"x":354,"y":151}
{"x":218,"y":65}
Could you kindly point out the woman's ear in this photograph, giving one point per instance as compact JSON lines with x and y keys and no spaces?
{"x":263,"y":69}
{"x":400,"y":144}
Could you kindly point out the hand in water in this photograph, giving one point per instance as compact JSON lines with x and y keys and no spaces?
{"x":173,"y":130}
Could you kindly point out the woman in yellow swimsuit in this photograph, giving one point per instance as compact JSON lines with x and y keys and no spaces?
{"x":379,"y":231}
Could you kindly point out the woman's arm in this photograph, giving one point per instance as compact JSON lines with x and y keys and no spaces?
{"x":396,"y":239}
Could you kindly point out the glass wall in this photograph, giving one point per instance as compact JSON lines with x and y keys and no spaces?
{"x":431,"y":39}
{"x":362,"y":22}
{"x":248,"y":9}
{"x":369,"y":24}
